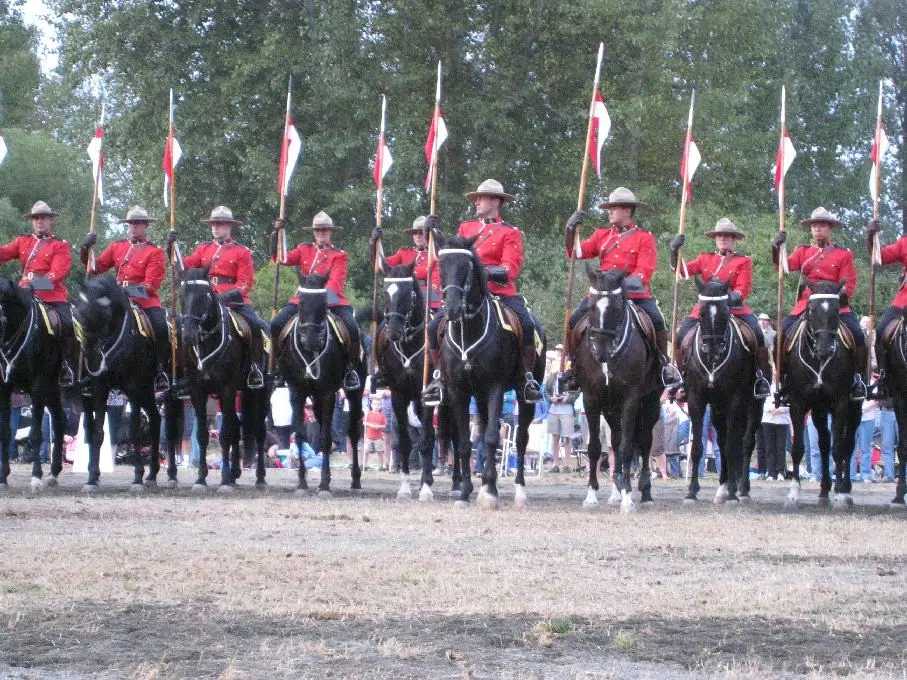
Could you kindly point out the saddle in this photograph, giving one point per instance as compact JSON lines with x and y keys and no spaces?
{"x":509,"y":321}
{"x":892,"y":330}
{"x":49,"y":317}
{"x":643,"y":320}
{"x":844,"y":335}
{"x":744,"y":333}
{"x":141,"y":320}
{"x":339,"y":329}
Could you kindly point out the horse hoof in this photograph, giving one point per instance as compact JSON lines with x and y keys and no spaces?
{"x":897,"y":505}
{"x":225,"y":489}
{"x":37,"y":484}
{"x":461,"y":505}
{"x":89,"y":489}
{"x":325,"y":493}
{"x":137,"y":487}
{"x":172,"y":484}
{"x":199,"y":488}
{"x":261,"y":486}
{"x":690,"y":501}
{"x":647,"y":504}
{"x":151,"y":483}
{"x":823,"y":502}
{"x":843,"y":502}
{"x":426,"y":495}
{"x":614,"y":498}
{"x":520,"y":499}
{"x":52,"y":482}
{"x":627,"y":508}
{"x":745,"y":500}
{"x":301,"y":493}
{"x":486,"y":501}
{"x":721,"y":495}
{"x":404,"y":495}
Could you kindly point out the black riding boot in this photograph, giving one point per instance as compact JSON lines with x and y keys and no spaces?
{"x":531,"y":390}
{"x":879,"y":389}
{"x":433,"y":394}
{"x":762,"y":389}
{"x":858,"y":390}
{"x":670,"y":376}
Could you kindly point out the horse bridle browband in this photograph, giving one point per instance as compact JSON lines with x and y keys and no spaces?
{"x":727,"y":338}
{"x":414,"y":331}
{"x":313,"y":367}
{"x":204,"y":334}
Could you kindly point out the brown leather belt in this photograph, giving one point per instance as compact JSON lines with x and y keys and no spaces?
{"x":217,"y":280}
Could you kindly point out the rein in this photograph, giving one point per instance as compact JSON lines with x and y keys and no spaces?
{"x":106,"y":354}
{"x":204,"y":333}
{"x":297,"y":343}
{"x":812,"y":336}
{"x":410,"y":332}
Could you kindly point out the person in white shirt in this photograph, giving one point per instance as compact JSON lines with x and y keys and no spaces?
{"x":775,"y":426}
{"x":862,"y":448}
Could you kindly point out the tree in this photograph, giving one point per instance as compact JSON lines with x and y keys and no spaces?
{"x":19,"y":69}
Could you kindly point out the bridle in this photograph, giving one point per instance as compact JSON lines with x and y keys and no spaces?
{"x":812,"y":336}
{"x":411,"y":332}
{"x":313,"y":367}
{"x":465,"y":289}
{"x":723,"y":343}
{"x":103,"y":365}
{"x":206,"y":332}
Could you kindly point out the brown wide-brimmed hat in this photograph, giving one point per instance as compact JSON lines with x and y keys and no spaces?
{"x":820,"y":215}
{"x":221,"y":215}
{"x":40,"y":209}
{"x":418,"y":226}
{"x":725,"y":227}
{"x":491,"y":187}
{"x":322,"y":221}
{"x":137,"y":214}
{"x":622,"y":197}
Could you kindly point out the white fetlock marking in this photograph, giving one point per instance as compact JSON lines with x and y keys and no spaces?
{"x":626,"y":502}
{"x":519,"y":496}
{"x":793,"y":496}
{"x":721,"y":495}
{"x":486,"y":500}
{"x":406,"y":490}
{"x":37,"y":484}
{"x":137,"y":488}
{"x":614,"y":498}
{"x":591,"y":499}
{"x":425,"y":494}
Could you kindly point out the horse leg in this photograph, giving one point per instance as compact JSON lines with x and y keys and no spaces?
{"x":491,"y":431}
{"x":5,"y":436}
{"x":354,"y":434}
{"x":199,"y":402}
{"x":753,"y":420}
{"x":135,"y":444}
{"x":628,"y":416}
{"x":459,"y":413}
{"x":154,"y":425}
{"x":820,"y":421}
{"x":617,"y":436}
{"x":97,"y":436}
{"x":649,"y":411}
{"x":427,"y":446}
{"x":399,"y":404}
{"x":797,"y":418}
{"x":526,"y":416}
{"x":720,"y":422}
{"x":594,"y":452}
{"x":58,"y":425}
{"x":258,"y":432}
{"x":447,"y":435}
{"x":324,"y":405}
{"x":297,"y":399}
{"x":697,"y":413}
{"x":36,"y":438}
{"x":228,"y":432}
{"x":845,"y":421}
{"x":173,"y":412}
{"x":900,"y":410}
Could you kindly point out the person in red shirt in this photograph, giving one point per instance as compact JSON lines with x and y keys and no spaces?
{"x":140,"y":269}
{"x":232,"y":275}
{"x":499,"y":246}
{"x":822,"y":260}
{"x":896,"y":253}
{"x":375,"y":423}
{"x":325,"y":259}
{"x":406,"y":256}
{"x":46,"y":261}
{"x":623,"y":244}
{"x":726,"y":264}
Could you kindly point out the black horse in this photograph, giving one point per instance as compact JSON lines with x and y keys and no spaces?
{"x":819,"y":369}
{"x":115,"y":349}
{"x":312,"y":357}
{"x":619,"y":373}
{"x":30,"y":359}
{"x":895,"y":362}
{"x":719,"y":370}
{"x":400,"y":351}
{"x":217,"y":360}
{"x":480,"y":358}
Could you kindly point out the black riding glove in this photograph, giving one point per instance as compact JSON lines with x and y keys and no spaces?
{"x":498,"y":274}
{"x":676,"y":244}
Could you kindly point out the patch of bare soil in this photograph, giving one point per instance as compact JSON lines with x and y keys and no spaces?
{"x":167,"y":584}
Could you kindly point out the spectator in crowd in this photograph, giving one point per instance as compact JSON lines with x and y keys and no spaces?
{"x":666,"y":438}
{"x":375,"y":422}
{"x":387,"y":408}
{"x":116,"y":405}
{"x":476,"y":437}
{"x":339,"y":423}
{"x":709,"y":433}
{"x":888,"y":427}
{"x":768,"y":331}
{"x":776,"y":425}
{"x":508,"y":409}
{"x":862,"y":449}
{"x":811,"y":447}
{"x":560,"y":422}
{"x":282,"y":416}
{"x":16,"y":403}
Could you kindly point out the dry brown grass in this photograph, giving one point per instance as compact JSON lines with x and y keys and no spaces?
{"x":170,"y":585}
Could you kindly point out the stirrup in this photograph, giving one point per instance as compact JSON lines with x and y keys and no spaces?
{"x":858,"y":391}
{"x":531,"y":384}
{"x":161,"y":382}
{"x":67,"y":379}
{"x":351,"y":381}
{"x":256,"y":379}
{"x":433,"y":394}
{"x":761,"y":388}
{"x":670,"y":376}
{"x":878,"y":389}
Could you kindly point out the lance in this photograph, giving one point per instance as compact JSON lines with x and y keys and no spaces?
{"x":379,"y":210}
{"x":876,"y":246}
{"x":282,"y":214}
{"x":90,"y":263}
{"x":171,"y":174}
{"x":430,"y":264}
{"x":684,"y":199}
{"x":580,"y":201}
{"x":780,"y":171}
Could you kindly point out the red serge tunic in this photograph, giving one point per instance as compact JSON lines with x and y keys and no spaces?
{"x":831,"y":263}
{"x":406,"y":256}
{"x":736,"y":269}
{"x":897,"y":252}
{"x":498,"y":244}
{"x":231,"y":266}
{"x":48,"y":257}
{"x":137,"y":264}
{"x":632,"y":249}
{"x":328,"y":261}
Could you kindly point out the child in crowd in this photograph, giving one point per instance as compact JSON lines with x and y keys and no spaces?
{"x":375,"y":422}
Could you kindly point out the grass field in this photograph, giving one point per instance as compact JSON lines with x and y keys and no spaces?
{"x":168,"y":584}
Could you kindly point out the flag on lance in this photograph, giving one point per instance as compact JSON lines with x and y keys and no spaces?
{"x":879,"y":147}
{"x":96,"y":154}
{"x":3,"y":150}
{"x":437,"y":134}
{"x":383,"y":158}
{"x":172,"y":154}
{"x":691,"y":156}
{"x":290,"y":150}
{"x":598,"y":133}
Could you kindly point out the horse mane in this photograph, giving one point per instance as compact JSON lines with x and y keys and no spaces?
{"x":825,"y":287}
{"x":313,"y":281}
{"x":714,"y":288}
{"x":609,"y":280}
{"x":101,"y":286}
{"x":196,"y":274}
{"x":11,"y":291}
{"x":465,"y":243}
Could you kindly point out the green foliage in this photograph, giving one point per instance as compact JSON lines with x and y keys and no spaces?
{"x":19,"y":72}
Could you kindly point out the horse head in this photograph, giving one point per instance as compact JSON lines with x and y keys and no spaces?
{"x":607,"y":308}
{"x":463,"y":280}
{"x":313,"y":309}
{"x":14,"y":302}
{"x":198,"y":301}
{"x":402,"y":300}
{"x":822,"y":317}
{"x":714,"y":315}
{"x":100,"y":307}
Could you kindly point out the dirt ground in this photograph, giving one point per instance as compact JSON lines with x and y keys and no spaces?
{"x":168,"y":584}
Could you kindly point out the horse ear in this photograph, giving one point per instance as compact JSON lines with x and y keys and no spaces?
{"x":470,"y":241}
{"x":591,"y":272}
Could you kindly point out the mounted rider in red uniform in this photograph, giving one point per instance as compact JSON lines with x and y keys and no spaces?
{"x":407,"y":256}
{"x":499,"y":247}
{"x":45,"y":261}
{"x":623,"y":245}
{"x":232,"y":275}
{"x":822,"y":260}
{"x":140,"y":269}
{"x":324,"y":259}
{"x":725,"y":264}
